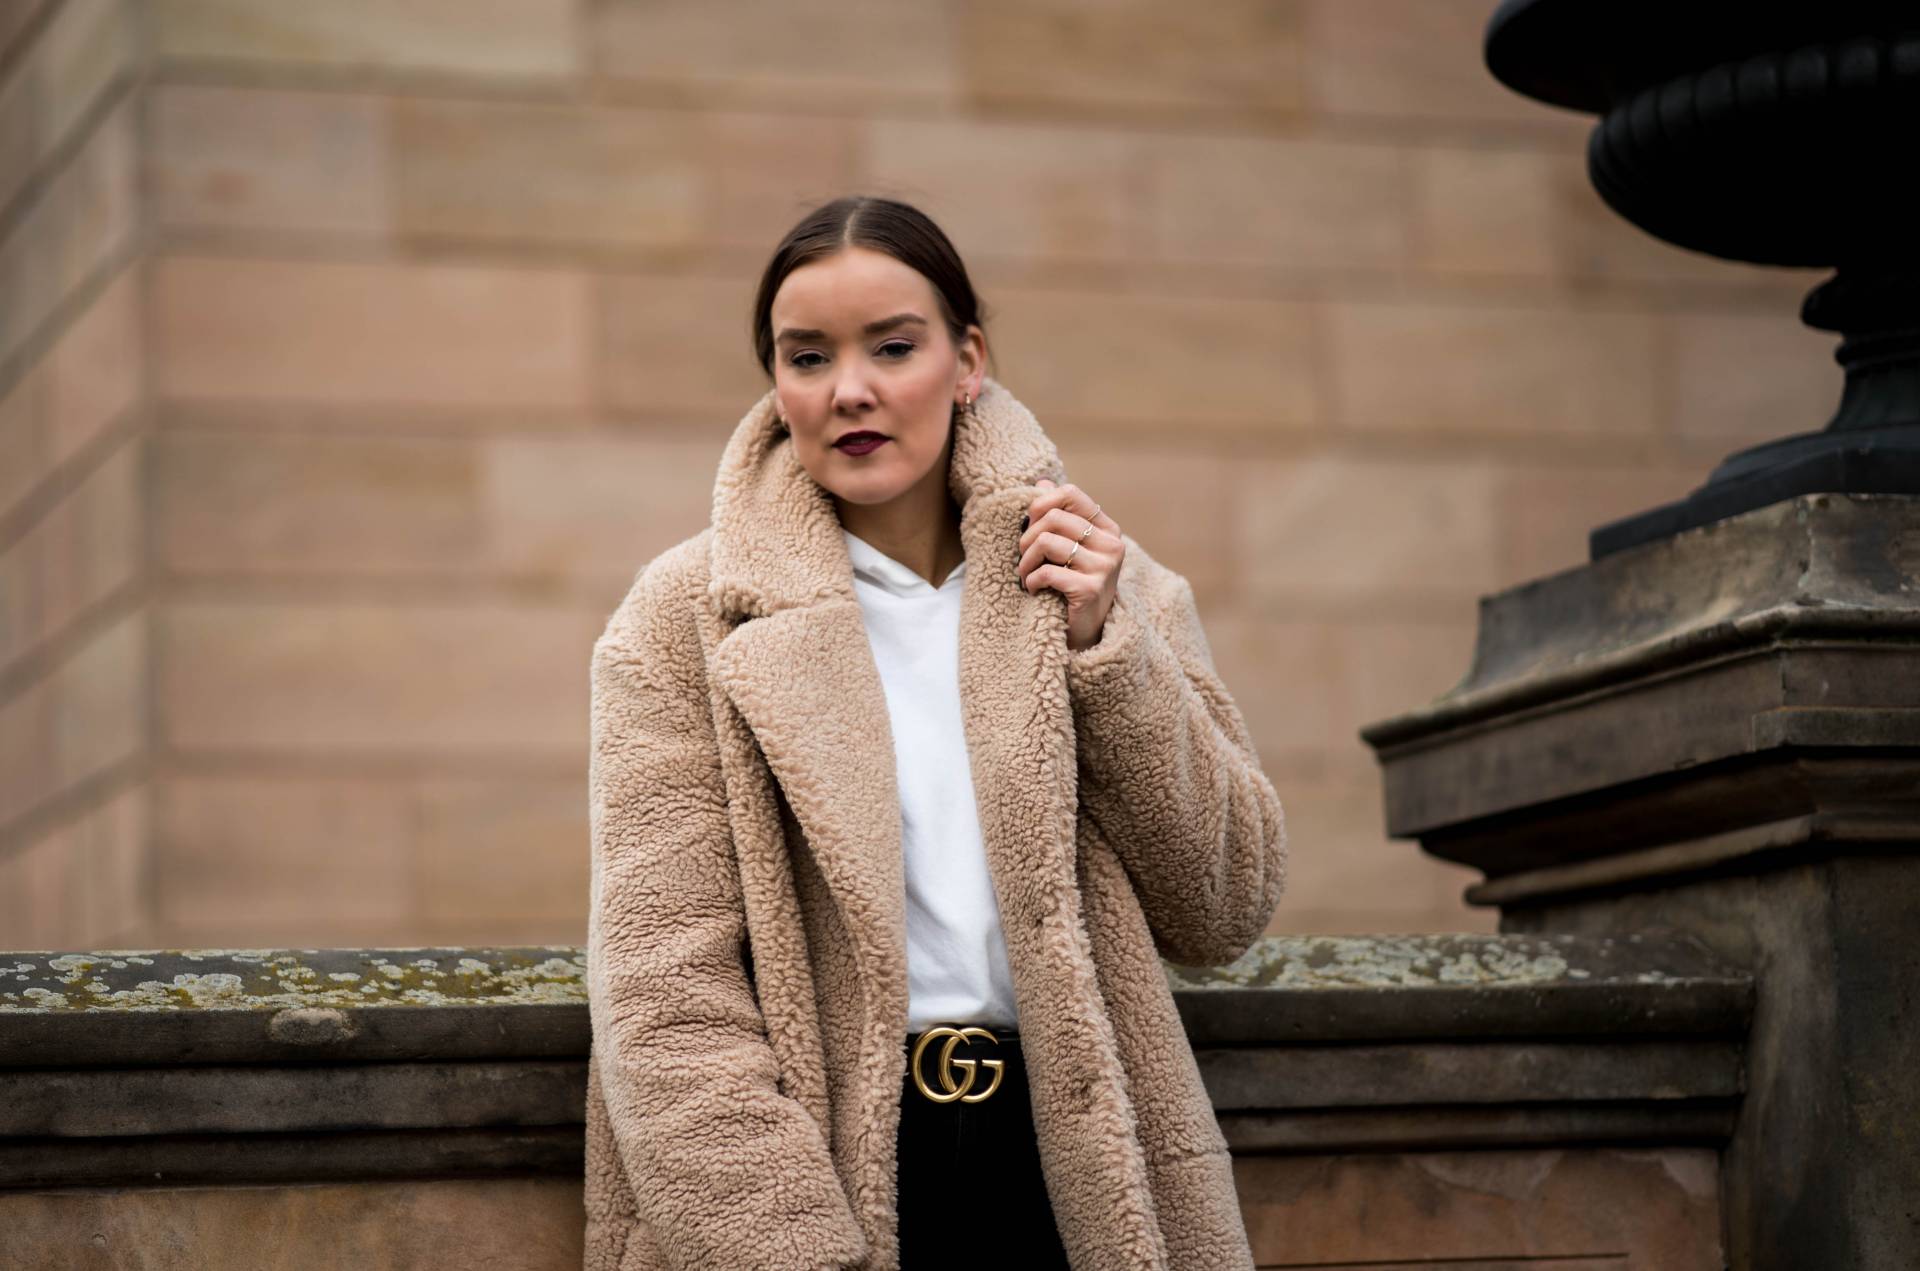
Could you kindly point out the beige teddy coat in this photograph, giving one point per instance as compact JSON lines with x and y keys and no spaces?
{"x":747,"y":946}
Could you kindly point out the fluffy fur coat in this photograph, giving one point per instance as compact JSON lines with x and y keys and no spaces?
{"x":747,"y":948}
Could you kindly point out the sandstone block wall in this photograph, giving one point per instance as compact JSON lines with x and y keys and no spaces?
{"x":353,"y":356}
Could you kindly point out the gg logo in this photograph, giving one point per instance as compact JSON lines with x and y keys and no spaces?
{"x":953,"y":1037}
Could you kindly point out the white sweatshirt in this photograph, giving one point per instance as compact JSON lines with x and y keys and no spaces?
{"x":956,"y":953}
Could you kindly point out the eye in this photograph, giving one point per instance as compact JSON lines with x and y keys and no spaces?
{"x":795,"y":359}
{"x":904,"y":346}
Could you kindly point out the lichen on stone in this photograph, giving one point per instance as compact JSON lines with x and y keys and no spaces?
{"x":270,"y":979}
{"x":1367,"y":962}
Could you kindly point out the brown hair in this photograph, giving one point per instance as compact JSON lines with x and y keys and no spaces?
{"x":900,"y":230}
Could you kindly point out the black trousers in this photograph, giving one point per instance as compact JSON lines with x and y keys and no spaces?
{"x":971,"y":1190}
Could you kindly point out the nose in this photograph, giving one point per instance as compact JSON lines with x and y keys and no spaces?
{"x":852,"y":391}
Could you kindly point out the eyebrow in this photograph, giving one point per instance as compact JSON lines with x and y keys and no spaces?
{"x":872,"y":328}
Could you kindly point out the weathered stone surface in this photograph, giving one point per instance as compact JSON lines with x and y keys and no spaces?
{"x":1811,"y":563}
{"x":16,"y":16}
{"x":92,"y":542}
{"x":1695,"y":1121}
{"x":71,"y":229}
{"x":1821,"y":1170}
{"x":1333,"y":1044}
{"x":274,"y":980}
{"x":1305,"y":1044}
{"x":71,"y":65}
{"x":88,"y":872}
{"x":95,"y":375}
{"x":491,"y":850}
{"x":276,"y":850}
{"x":1448,"y":1073}
{"x":1356,"y":879}
{"x":82,"y":550}
{"x":401,"y":334}
{"x":1779,"y":635}
{"x":1238,"y":56}
{"x":1354,"y":527}
{"x":89,"y":381}
{"x":1374,"y":988}
{"x":1604,"y":1210}
{"x":493,"y":1224}
{"x":510,"y":173}
{"x":85,"y":717}
{"x":1546,"y":511}
{"x":227,"y":503}
{"x":1061,"y":192}
{"x":220,"y":161}
{"x":1410,"y":59}
{"x":1511,"y":369}
{"x":1487,"y":211}
{"x":1088,"y":356}
{"x":213,"y":1006}
{"x":1277,"y":202}
{"x":328,"y":1098}
{"x":306,"y":679}
{"x":515,"y":40}
{"x":1719,"y":734}
{"x":251,"y":1159}
{"x":808,"y":53}
{"x":672,"y":345}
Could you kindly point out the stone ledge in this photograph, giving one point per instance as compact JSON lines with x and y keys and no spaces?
{"x":1318,"y":989}
{"x":214,"y":1006}
{"x":176,"y":1160}
{"x":168,"y":1066}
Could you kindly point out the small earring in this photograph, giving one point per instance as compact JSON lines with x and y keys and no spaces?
{"x":969,"y":402}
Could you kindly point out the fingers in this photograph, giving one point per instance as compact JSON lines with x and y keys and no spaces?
{"x":1069,"y":498}
{"x":1069,"y":511}
{"x":1066,"y":581}
{"x":1048,"y":550}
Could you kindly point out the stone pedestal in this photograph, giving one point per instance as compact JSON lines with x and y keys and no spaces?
{"x":1718,"y":733}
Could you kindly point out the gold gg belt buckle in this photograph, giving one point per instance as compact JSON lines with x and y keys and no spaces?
{"x":953,"y":1037}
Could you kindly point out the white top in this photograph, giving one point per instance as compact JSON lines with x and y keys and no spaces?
{"x":956,"y":953}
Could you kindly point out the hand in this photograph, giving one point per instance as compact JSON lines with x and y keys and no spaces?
{"x":1059,"y":519}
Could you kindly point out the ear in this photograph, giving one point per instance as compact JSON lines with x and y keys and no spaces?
{"x":973,"y":359}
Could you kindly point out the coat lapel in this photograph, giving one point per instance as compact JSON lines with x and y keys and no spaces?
{"x":797,"y":666}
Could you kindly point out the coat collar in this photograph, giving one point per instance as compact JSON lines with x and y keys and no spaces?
{"x":776,"y":538}
{"x":795,"y":661}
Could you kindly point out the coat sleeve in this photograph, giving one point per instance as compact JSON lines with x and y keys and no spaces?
{"x":1169,"y":774}
{"x":726,"y":1169}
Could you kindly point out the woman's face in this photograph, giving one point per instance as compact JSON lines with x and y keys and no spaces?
{"x":860,"y":347}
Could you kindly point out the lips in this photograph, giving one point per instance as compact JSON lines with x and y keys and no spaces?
{"x":859,"y":440}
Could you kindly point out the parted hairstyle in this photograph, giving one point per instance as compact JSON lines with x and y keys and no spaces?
{"x":899,"y":229}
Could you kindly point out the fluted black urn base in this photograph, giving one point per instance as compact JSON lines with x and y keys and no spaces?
{"x":1872,"y":445}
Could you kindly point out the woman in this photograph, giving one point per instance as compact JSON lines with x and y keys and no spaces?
{"x":906,"y":771}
